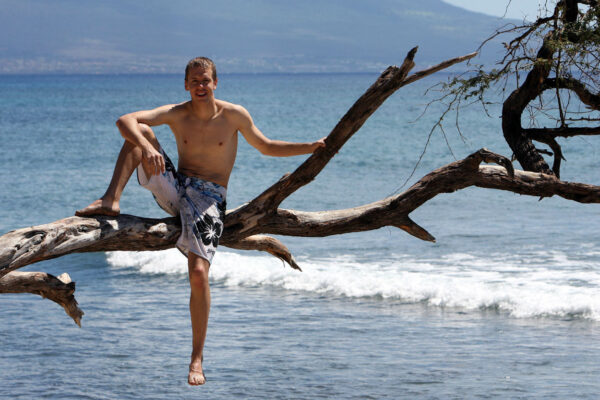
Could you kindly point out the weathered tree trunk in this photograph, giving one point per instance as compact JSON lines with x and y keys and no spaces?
{"x":513,"y":107}
{"x":245,"y":226}
{"x":537,"y":81}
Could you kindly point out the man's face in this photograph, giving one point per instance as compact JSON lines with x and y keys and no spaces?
{"x":200,"y":84}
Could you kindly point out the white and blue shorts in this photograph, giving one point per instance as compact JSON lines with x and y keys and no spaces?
{"x":199,"y":203}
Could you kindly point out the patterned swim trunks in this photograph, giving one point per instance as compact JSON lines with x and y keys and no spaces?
{"x":199,"y":203}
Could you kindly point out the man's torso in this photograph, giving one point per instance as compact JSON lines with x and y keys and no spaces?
{"x":206,"y":148}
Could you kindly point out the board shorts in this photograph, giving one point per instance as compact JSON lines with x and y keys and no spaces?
{"x":199,"y":203}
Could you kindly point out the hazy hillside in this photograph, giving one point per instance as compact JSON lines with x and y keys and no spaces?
{"x":241,"y":35}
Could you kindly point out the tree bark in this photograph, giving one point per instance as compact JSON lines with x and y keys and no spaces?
{"x":536,"y":82}
{"x":60,"y":290}
{"x":513,"y":107}
{"x":25,"y":246}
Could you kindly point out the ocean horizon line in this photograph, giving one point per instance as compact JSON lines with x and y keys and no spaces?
{"x":274,"y":73}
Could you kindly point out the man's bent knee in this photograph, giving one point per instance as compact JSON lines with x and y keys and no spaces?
{"x":149,"y":170}
{"x":149,"y":135}
{"x":198,"y":272}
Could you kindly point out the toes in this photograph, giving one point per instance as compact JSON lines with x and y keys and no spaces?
{"x":196,"y":381}
{"x":196,"y":378}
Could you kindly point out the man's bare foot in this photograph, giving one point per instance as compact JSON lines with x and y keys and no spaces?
{"x":196,"y":376}
{"x":99,"y":207}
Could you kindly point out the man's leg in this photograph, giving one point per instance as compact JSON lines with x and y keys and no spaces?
{"x":199,"y":310}
{"x":128,"y":160}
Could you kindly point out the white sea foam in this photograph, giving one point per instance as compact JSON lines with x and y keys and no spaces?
{"x":552,"y":288}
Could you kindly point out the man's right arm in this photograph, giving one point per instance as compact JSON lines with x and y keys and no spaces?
{"x":129,"y":126}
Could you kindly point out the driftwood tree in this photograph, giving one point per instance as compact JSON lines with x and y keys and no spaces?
{"x":246,"y":226}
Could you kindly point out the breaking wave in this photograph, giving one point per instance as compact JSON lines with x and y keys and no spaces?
{"x":556,"y":286}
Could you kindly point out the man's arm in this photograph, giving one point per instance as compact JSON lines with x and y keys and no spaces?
{"x":266,"y":146}
{"x":129,"y":126}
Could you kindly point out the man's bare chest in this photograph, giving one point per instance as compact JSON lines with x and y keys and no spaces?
{"x":212,"y":134}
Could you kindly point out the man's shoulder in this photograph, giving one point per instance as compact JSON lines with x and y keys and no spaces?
{"x":174,"y":112}
{"x":229,"y":107}
{"x":168,"y":109}
{"x":177,"y":108}
{"x":233,"y":111}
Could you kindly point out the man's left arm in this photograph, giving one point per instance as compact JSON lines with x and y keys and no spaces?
{"x":269,"y":147}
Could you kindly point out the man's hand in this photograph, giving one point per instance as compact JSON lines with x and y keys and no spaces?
{"x":319,"y":143}
{"x":153,"y":160}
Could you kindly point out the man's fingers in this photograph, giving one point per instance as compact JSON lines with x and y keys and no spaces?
{"x":319,"y":143}
{"x":152,"y":162}
{"x":158,"y":165}
{"x":156,"y":162}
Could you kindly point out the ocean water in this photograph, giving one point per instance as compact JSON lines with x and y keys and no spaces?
{"x":506,"y":303}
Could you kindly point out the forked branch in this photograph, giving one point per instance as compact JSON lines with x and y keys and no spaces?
{"x":243,"y":219}
{"x":29,"y":245}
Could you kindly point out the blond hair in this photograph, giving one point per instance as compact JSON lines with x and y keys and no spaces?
{"x":203,"y":62}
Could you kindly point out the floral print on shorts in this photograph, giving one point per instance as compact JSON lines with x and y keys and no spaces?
{"x":200,"y":204}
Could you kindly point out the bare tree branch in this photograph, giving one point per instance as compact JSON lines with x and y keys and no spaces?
{"x":588,"y":98}
{"x":74,"y":234}
{"x":60,"y":290}
{"x":393,"y":78}
{"x":70,"y":235}
{"x":540,"y":133}
{"x":265,"y":243}
{"x":515,"y":104}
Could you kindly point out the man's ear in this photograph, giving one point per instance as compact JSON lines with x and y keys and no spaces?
{"x":185,"y":84}
{"x":216,"y":81}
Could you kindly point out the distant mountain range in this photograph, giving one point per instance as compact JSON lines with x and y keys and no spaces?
{"x":128,"y":36}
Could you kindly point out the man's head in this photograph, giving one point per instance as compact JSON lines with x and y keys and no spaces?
{"x":201,"y":79}
{"x":202,"y":62}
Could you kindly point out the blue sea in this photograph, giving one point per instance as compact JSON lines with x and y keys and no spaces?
{"x":505,"y":304}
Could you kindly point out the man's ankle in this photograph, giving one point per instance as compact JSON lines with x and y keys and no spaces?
{"x":106,"y":199}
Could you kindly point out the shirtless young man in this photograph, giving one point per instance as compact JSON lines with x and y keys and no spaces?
{"x":205,"y":130}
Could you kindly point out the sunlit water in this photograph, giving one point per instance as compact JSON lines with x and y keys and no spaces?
{"x":506,"y":303}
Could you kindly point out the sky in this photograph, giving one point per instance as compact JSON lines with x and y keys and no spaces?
{"x":517,"y":9}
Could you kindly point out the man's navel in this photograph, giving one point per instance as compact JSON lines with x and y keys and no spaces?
{"x":220,"y":143}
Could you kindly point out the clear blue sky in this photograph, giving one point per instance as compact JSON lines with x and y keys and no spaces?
{"x":518,"y":9}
